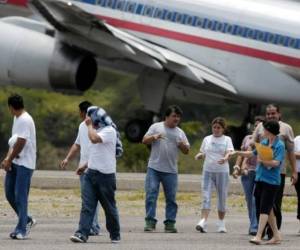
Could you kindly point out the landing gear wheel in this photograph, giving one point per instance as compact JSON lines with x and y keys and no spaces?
{"x":136,"y":129}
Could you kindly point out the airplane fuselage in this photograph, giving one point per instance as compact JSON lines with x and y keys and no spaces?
{"x":244,"y":40}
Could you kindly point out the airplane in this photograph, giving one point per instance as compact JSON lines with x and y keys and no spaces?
{"x":202,"y":51}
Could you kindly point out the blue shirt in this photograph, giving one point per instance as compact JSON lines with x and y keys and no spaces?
{"x":271,"y":175}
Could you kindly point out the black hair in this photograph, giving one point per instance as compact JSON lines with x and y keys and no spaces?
{"x":173,"y":109}
{"x":83,"y":106}
{"x":272,"y":105}
{"x":15,"y":101}
{"x":259,"y":118}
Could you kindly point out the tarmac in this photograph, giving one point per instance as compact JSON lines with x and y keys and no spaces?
{"x":131,"y":181}
{"x":53,"y":233}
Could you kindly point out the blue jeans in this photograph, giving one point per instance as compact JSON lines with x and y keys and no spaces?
{"x":17,"y":185}
{"x":99,"y":187}
{"x":248,"y":182}
{"x":95,"y":226}
{"x":169,"y":182}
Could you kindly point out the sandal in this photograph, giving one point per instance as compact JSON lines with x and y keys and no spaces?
{"x":255,"y":241}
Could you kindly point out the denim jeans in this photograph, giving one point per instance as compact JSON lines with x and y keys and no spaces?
{"x":95,"y":226}
{"x":169,"y":182}
{"x":99,"y":187}
{"x":17,"y":185}
{"x":248,"y":182}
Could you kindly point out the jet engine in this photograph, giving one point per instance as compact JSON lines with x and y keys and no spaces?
{"x":30,"y":58}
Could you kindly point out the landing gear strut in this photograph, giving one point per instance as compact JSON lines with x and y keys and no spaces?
{"x":237,"y":134}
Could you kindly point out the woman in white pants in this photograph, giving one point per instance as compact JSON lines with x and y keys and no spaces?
{"x":216,"y":148}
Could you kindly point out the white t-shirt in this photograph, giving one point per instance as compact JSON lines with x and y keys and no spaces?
{"x":297,"y":149}
{"x":24,"y":127}
{"x":164,"y":151}
{"x":102,"y":156}
{"x":214,"y":149}
{"x":84,"y":142}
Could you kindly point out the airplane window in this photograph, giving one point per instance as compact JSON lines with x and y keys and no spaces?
{"x":101,"y":2}
{"x":282,"y":40}
{"x":178,"y":18}
{"x":292,"y":42}
{"x":270,"y":38}
{"x":169,"y":16}
{"x":110,"y":3}
{"x":158,"y":13}
{"x":297,"y":44}
{"x":120,"y":5}
{"x":199,"y":22}
{"x":239,"y":30}
{"x":219,"y":26}
{"x":131,"y":7}
{"x":189,"y":20}
{"x":250,"y":33}
{"x":228,"y":28}
{"x":148,"y":11}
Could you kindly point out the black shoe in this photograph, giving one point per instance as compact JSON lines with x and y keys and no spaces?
{"x":116,"y":240}
{"x":13,"y":235}
{"x":78,"y":238}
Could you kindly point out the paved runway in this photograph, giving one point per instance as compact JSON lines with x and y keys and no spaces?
{"x":50,"y":234}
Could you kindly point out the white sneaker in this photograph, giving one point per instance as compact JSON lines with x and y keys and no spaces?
{"x":221,"y":226}
{"x":202,"y":226}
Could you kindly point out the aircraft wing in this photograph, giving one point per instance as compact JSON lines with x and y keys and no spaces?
{"x":86,"y":31}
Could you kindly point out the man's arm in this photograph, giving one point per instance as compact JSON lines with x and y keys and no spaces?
{"x":184,"y":147}
{"x":148,"y":139}
{"x":292,"y":160}
{"x":72,"y":152}
{"x":12,"y":154}
{"x":92,"y":133}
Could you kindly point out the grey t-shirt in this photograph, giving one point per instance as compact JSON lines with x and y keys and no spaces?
{"x":164,"y":151}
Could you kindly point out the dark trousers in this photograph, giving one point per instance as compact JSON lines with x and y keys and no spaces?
{"x":297,"y":187}
{"x":99,"y":187}
{"x":276,"y":207}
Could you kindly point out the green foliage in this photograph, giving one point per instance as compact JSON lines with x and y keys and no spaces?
{"x":56,"y":118}
{"x":135,"y":157}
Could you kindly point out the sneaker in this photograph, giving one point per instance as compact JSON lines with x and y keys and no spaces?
{"x":30,"y":224}
{"x":94,"y":233}
{"x":78,"y":238}
{"x":170,"y":227}
{"x":149,"y":225}
{"x":20,"y":236}
{"x":202,"y":226}
{"x":116,"y":240}
{"x":221,"y":226}
{"x":13,"y":235}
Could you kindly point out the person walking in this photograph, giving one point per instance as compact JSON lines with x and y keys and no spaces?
{"x":216,"y":149}
{"x":99,"y":180}
{"x":297,"y":185}
{"x":166,"y":139}
{"x":81,"y":145}
{"x":287,"y":136}
{"x":267,"y":181}
{"x":19,"y":165}
{"x":247,"y":167}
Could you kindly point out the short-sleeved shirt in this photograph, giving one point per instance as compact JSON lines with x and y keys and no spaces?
{"x":23,"y":127}
{"x":84,"y":142}
{"x":271,"y":175}
{"x":251,"y":161}
{"x":286,"y":135}
{"x":102,"y":156}
{"x":297,"y":149}
{"x":215,"y":148}
{"x":164,"y":152}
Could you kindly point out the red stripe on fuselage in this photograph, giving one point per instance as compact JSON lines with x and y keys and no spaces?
{"x":283,"y":59}
{"x":17,"y":2}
